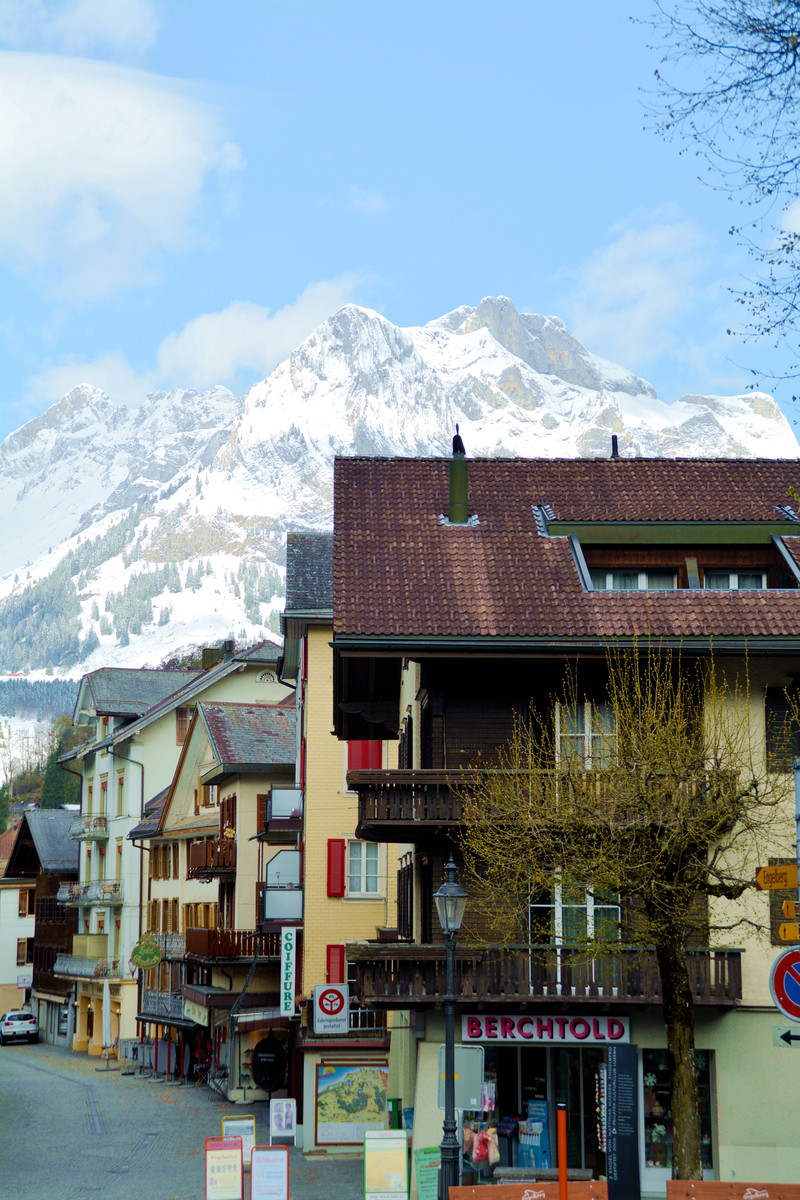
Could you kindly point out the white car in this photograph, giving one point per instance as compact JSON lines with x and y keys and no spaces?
{"x":18,"y":1025}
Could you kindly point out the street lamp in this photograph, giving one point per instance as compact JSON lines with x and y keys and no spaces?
{"x":450,"y":900}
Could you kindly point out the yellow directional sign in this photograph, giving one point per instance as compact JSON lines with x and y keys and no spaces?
{"x":789,"y":910}
{"x":789,"y":931}
{"x":773,"y":879}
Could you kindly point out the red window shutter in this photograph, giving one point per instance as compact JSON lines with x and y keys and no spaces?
{"x":261,"y":812}
{"x":334,"y":970}
{"x":335,"y":866}
{"x":364,"y":756}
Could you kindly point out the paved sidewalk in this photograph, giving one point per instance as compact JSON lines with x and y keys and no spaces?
{"x":71,"y":1132}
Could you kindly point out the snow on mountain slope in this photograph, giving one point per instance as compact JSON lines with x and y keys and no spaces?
{"x":100,"y":500}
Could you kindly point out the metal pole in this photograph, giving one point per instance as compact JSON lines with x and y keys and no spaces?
{"x":561,"y":1124}
{"x":448,"y":1175}
{"x":797,"y":820}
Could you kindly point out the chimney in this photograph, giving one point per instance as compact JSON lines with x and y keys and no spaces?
{"x":614,"y":446}
{"x":211,"y":656}
{"x":458,"y":510}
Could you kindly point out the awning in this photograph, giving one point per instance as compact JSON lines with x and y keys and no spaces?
{"x":260,"y":1019}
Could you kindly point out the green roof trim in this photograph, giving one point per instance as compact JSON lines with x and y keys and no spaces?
{"x":681,"y":533}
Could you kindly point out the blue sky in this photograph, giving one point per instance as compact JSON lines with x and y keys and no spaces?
{"x":190,"y":187}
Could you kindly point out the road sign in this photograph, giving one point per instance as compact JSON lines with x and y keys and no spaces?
{"x":784,"y":983}
{"x":783,"y":1036}
{"x":776,"y":879}
{"x":467,"y":1076}
{"x":789,"y":910}
{"x":331,"y":1008}
{"x":789,"y":931}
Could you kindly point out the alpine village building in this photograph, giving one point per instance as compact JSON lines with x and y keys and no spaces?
{"x":462,"y":592}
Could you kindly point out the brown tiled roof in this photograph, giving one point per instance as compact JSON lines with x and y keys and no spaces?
{"x":398,"y":572}
{"x":246,"y":734}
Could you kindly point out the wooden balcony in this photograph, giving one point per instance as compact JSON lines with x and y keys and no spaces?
{"x":228,"y":945}
{"x":213,"y":858}
{"x":409,"y":976}
{"x":411,"y":806}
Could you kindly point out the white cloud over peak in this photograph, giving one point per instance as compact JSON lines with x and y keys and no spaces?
{"x":105,"y":167}
{"x":126,"y":27}
{"x":210,"y":349}
{"x":368,"y":202}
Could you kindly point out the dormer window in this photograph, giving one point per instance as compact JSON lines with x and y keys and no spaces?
{"x":734,"y":581}
{"x":634,"y":581}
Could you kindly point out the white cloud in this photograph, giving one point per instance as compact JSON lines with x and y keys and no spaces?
{"x":212,"y":348}
{"x":368,"y":202}
{"x":104,"y":168}
{"x":632,"y":298}
{"x":125,"y":27}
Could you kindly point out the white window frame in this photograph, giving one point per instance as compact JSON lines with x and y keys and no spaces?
{"x":733,"y":581}
{"x":595,"y":719}
{"x":642,"y":580}
{"x":360,"y":893}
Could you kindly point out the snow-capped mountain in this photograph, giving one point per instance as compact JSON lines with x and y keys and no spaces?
{"x":131,"y":533}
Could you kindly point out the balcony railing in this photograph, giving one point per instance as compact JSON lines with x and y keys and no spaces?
{"x":171,"y":945}
{"x":230,"y":944}
{"x":50,"y":911}
{"x":405,"y":805}
{"x":72,"y":894}
{"x":211,"y":858}
{"x":87,"y":968}
{"x":163,"y":1004}
{"x":90,"y":828}
{"x":399,"y":976}
{"x":104,"y":892}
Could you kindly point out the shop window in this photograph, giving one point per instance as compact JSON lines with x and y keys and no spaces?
{"x":586,"y":735}
{"x":658,"y":1125}
{"x":362,"y":869}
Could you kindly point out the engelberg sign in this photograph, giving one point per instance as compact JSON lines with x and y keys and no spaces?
{"x":550,"y":1030}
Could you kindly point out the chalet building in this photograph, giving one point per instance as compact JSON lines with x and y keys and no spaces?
{"x":45,"y":855}
{"x":349,"y":882}
{"x":136,"y":722}
{"x":217,"y":896}
{"x":461,"y":592}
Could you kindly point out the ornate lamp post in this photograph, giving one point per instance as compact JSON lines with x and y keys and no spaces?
{"x":450,"y":900}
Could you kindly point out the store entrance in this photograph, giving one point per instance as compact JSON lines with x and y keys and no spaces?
{"x":531,"y":1082}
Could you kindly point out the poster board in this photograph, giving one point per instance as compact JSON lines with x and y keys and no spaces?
{"x":426,"y":1170}
{"x":385,"y":1164}
{"x":283,"y":1120}
{"x":245,"y":1128}
{"x":224,"y":1169}
{"x":339,"y":1083}
{"x":269,"y":1173}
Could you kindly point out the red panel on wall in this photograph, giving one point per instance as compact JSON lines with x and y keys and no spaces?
{"x":334,"y":970}
{"x":335,"y":866}
{"x":364,"y":756}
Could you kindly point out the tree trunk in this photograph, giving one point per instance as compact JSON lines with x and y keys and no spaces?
{"x":678,"y":1008}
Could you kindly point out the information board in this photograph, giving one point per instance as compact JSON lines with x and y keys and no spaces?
{"x":622,"y":1133}
{"x":224,"y":1168}
{"x":468,"y":1080}
{"x":245,"y":1128}
{"x":426,"y":1169}
{"x":385,"y":1164}
{"x":269,"y":1173}
{"x":283,"y":1120}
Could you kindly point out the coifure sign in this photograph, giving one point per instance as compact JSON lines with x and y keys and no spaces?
{"x":543,"y":1028}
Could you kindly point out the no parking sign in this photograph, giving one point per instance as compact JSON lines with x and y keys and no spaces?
{"x":784,"y":983}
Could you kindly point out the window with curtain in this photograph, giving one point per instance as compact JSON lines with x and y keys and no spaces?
{"x":362,"y":869}
{"x":586,"y":734}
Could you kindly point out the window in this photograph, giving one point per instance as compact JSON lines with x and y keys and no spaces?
{"x":176,"y":859}
{"x":734,"y":581}
{"x":586,"y":735}
{"x":24,"y":952}
{"x":362,"y":869}
{"x":27,"y":901}
{"x":570,"y":917}
{"x":183,"y":717}
{"x":658,"y":1125}
{"x":103,"y":796}
{"x":782,"y":731}
{"x":120,"y":795}
{"x":633,"y":581}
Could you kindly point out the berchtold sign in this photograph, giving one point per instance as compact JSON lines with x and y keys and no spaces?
{"x":545,"y":1029}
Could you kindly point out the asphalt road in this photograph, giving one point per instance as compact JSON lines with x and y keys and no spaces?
{"x":71,"y":1132}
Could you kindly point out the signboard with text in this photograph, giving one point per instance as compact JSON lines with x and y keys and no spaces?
{"x":331,"y":1008}
{"x":269,"y":1173}
{"x":224,"y":1168}
{"x":622,"y":1125}
{"x":244,"y":1128}
{"x":551,"y":1030}
{"x":288,"y":967}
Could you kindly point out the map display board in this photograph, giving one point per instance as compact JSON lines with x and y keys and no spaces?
{"x":350,"y":1100}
